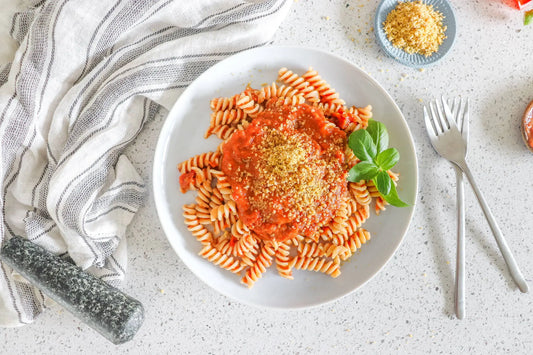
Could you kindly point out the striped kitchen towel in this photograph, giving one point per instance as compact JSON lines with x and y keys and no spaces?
{"x":87,"y":76}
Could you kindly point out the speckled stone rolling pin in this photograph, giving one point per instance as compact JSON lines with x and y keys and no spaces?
{"x":112,"y":313}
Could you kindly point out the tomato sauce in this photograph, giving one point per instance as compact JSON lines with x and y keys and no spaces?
{"x":287,"y":171}
{"x":186,"y":179}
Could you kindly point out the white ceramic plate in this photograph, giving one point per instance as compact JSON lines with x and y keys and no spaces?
{"x":182,"y":137}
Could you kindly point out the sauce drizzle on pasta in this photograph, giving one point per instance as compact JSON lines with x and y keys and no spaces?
{"x":287,"y":171}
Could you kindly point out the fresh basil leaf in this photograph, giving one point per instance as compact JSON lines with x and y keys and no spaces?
{"x":370,"y":146}
{"x":363,"y":170}
{"x":378,"y":132}
{"x":383,"y":182}
{"x":387,"y":158}
{"x":362,"y":145}
{"x":393,"y":198}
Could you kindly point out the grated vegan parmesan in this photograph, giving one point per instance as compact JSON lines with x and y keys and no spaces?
{"x":286,"y":169}
{"x":415,"y":27}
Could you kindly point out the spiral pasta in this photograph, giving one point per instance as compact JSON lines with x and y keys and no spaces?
{"x":247,"y":104}
{"x":223,"y":260}
{"x":259,"y":266}
{"x":226,"y":117}
{"x":299,"y":83}
{"x":326,"y":93}
{"x":214,"y":219}
{"x":199,"y":161}
{"x":223,"y":103}
{"x":273,"y":90}
{"x":223,"y":131}
{"x":331,"y":267}
{"x":283,"y":261}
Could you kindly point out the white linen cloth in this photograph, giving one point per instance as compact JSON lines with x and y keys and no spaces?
{"x":87,"y":76}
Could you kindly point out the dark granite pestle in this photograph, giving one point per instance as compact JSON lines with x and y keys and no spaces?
{"x":114,"y":314}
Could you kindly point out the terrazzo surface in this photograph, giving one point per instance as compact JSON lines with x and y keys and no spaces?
{"x":408,"y":307}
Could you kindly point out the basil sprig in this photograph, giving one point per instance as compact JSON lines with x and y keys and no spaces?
{"x":370,"y":145}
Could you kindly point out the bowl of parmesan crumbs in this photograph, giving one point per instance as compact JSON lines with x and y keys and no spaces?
{"x":415,"y":33}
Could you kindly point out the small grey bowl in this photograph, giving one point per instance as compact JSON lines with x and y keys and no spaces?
{"x":416,"y":60}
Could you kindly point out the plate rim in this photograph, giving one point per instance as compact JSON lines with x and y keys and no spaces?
{"x":160,"y":152}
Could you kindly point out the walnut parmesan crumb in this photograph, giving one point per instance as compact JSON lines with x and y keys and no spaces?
{"x":285,"y":170}
{"x":415,"y":27}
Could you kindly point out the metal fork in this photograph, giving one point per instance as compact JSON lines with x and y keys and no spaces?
{"x":448,"y":142}
{"x":461,"y":115}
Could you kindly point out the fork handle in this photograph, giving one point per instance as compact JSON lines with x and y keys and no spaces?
{"x":460,"y":258}
{"x":500,"y":240}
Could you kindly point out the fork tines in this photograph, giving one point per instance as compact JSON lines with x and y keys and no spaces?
{"x":440,"y":111}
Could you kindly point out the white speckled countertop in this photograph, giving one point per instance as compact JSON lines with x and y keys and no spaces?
{"x":408,"y":307}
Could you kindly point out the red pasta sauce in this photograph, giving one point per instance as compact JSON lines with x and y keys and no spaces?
{"x":287,"y":171}
{"x":186,"y":179}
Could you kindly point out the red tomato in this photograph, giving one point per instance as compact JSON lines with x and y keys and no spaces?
{"x":521,"y":3}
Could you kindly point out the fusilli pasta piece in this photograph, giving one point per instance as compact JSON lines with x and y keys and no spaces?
{"x":239,"y":229}
{"x":248,"y":105}
{"x":262,"y":262}
{"x":224,"y":187}
{"x":245,"y":245}
{"x":381,"y":205}
{"x":283,"y":261}
{"x":313,"y":250}
{"x":330,"y":268}
{"x":325,"y":91}
{"x":223,"y":103}
{"x":364,"y":113}
{"x":204,"y":194}
{"x":223,"y":132}
{"x":223,"y":211}
{"x":372,"y":189}
{"x":249,"y":257}
{"x":338,"y":223}
{"x":204,"y":214}
{"x":227,"y":117}
{"x":216,"y":198}
{"x":352,"y":206}
{"x":310,"y":249}
{"x":193,"y":225}
{"x":354,"y":242}
{"x":394,"y":176}
{"x":282,"y":101}
{"x":295,"y":81}
{"x":359,"y":191}
{"x":204,"y":160}
{"x":329,"y":108}
{"x":357,"y":219}
{"x":224,"y":261}
{"x":352,"y":127}
{"x":296,"y":240}
{"x":271,"y":91}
